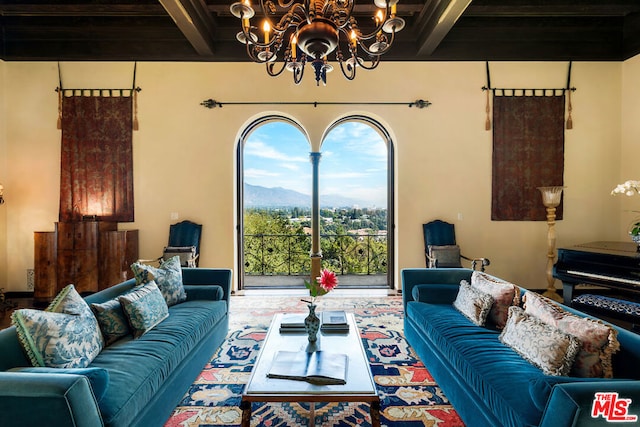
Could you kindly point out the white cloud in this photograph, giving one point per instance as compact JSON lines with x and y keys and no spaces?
{"x":262,"y":150}
{"x":259,"y":173}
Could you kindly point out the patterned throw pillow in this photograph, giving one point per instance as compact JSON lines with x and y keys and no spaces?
{"x":546,"y":347}
{"x":598,"y":341}
{"x":446,"y":256}
{"x":474,"y":304}
{"x":65,"y":335}
{"x":168,"y":277}
{"x":113,"y":323}
{"x":144,"y":307}
{"x":505,"y":294}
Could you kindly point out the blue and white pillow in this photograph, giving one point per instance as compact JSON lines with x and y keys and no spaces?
{"x":168,"y":277}
{"x":65,"y":335}
{"x":144,"y":307}
{"x":112,"y":320}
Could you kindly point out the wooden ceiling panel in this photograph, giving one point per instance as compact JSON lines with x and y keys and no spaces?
{"x":516,"y":30}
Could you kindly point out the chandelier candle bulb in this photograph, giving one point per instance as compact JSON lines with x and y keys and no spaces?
{"x":267,"y":28}
{"x":294,"y":43}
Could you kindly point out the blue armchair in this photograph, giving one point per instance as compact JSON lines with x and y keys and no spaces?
{"x":441,"y":249}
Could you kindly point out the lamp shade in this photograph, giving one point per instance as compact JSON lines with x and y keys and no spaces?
{"x":551,"y":195}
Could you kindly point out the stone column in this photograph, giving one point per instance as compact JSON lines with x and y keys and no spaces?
{"x":316,"y":253}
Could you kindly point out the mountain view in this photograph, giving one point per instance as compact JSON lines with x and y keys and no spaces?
{"x":256,"y":196}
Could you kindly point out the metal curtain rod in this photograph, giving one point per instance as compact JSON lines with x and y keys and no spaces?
{"x":132,"y":89}
{"x":91,"y":91}
{"x":211,"y":103}
{"x":524,"y":91}
{"x":533,"y":92}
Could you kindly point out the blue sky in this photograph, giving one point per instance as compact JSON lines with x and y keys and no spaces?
{"x":353,"y":162}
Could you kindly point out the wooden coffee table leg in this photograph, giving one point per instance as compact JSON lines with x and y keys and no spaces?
{"x":375,"y":413}
{"x":312,"y":414}
{"x":246,"y":413}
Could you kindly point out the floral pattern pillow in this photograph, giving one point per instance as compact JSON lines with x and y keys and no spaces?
{"x":598,"y":341}
{"x":65,"y":335}
{"x":144,"y":307}
{"x":168,"y":277}
{"x":113,"y":323}
{"x":544,"y":346}
{"x":472,"y":303}
{"x":505,"y":295}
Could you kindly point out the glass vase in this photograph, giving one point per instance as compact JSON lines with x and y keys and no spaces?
{"x":312,"y":323}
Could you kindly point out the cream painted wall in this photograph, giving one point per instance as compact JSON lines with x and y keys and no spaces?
{"x":630,"y":147}
{"x":3,"y":179}
{"x":184,"y":154}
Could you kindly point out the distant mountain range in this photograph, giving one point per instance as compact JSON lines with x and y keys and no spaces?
{"x":256,"y":196}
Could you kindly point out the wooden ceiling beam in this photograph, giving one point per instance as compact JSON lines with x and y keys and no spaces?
{"x":435,"y":22}
{"x":193,"y":19}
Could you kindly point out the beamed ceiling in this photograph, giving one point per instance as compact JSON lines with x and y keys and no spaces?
{"x":205,"y":30}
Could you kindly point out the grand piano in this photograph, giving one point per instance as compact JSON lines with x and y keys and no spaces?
{"x":613,"y":265}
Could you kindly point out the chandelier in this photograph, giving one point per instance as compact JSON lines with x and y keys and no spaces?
{"x":311,"y":30}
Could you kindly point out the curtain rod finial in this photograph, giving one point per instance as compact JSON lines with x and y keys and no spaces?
{"x":211,"y":103}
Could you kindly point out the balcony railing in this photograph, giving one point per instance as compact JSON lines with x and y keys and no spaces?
{"x":288,"y":254}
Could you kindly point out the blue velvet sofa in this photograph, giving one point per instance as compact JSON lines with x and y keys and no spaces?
{"x":147,"y":376}
{"x":488,"y":383}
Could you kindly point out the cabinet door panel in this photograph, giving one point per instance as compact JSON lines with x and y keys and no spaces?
{"x":45,"y":284}
{"x":85,"y":265}
{"x":118,"y":250}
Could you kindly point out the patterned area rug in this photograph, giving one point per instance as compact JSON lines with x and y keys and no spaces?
{"x":408,"y":393}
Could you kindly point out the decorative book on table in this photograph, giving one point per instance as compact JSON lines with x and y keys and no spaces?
{"x":292,"y":322}
{"x":319,"y":367}
{"x":334,"y":321}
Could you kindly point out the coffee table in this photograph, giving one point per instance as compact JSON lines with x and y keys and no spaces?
{"x":360,"y":386}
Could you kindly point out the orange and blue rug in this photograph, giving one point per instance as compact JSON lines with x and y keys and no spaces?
{"x":409,"y":395}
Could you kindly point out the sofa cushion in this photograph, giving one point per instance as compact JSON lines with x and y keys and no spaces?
{"x":546,"y":347}
{"x":144,"y":307}
{"x":98,"y":377}
{"x":139,"y":367}
{"x":65,"y":335}
{"x":598,"y":341}
{"x":505,"y":294}
{"x":482,"y":362}
{"x":168,"y":277}
{"x":473,"y":303}
{"x":112,"y":320}
{"x":445,"y":256}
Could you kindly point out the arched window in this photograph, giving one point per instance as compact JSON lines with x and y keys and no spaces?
{"x":356,"y":201}
{"x":274,"y":203}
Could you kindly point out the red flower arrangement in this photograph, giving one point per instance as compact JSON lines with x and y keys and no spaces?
{"x":322,"y":285}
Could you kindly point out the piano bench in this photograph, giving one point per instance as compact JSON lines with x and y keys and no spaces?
{"x":627,"y":311}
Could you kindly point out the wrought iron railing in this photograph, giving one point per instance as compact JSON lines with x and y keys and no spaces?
{"x":288,"y":254}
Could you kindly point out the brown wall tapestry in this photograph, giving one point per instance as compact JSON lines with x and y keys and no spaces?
{"x":96,"y":160}
{"x":528,"y":152}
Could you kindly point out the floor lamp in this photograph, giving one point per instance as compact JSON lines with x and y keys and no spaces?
{"x":550,"y":200}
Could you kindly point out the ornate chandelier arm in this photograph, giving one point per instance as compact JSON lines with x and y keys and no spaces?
{"x":381,"y":20}
{"x":349,"y":72}
{"x":271,"y":66}
{"x":382,"y":45}
{"x":374,"y":62}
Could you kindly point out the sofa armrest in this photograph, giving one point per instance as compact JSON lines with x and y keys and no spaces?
{"x":33,"y":399}
{"x":573,"y":403}
{"x":435,"y":294}
{"x":412,"y":277}
{"x":204,"y":292}
{"x":209,"y":276}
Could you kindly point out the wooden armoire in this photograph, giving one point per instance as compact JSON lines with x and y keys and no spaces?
{"x":92,"y":255}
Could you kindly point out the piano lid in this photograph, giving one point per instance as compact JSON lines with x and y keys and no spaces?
{"x":624,"y":249}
